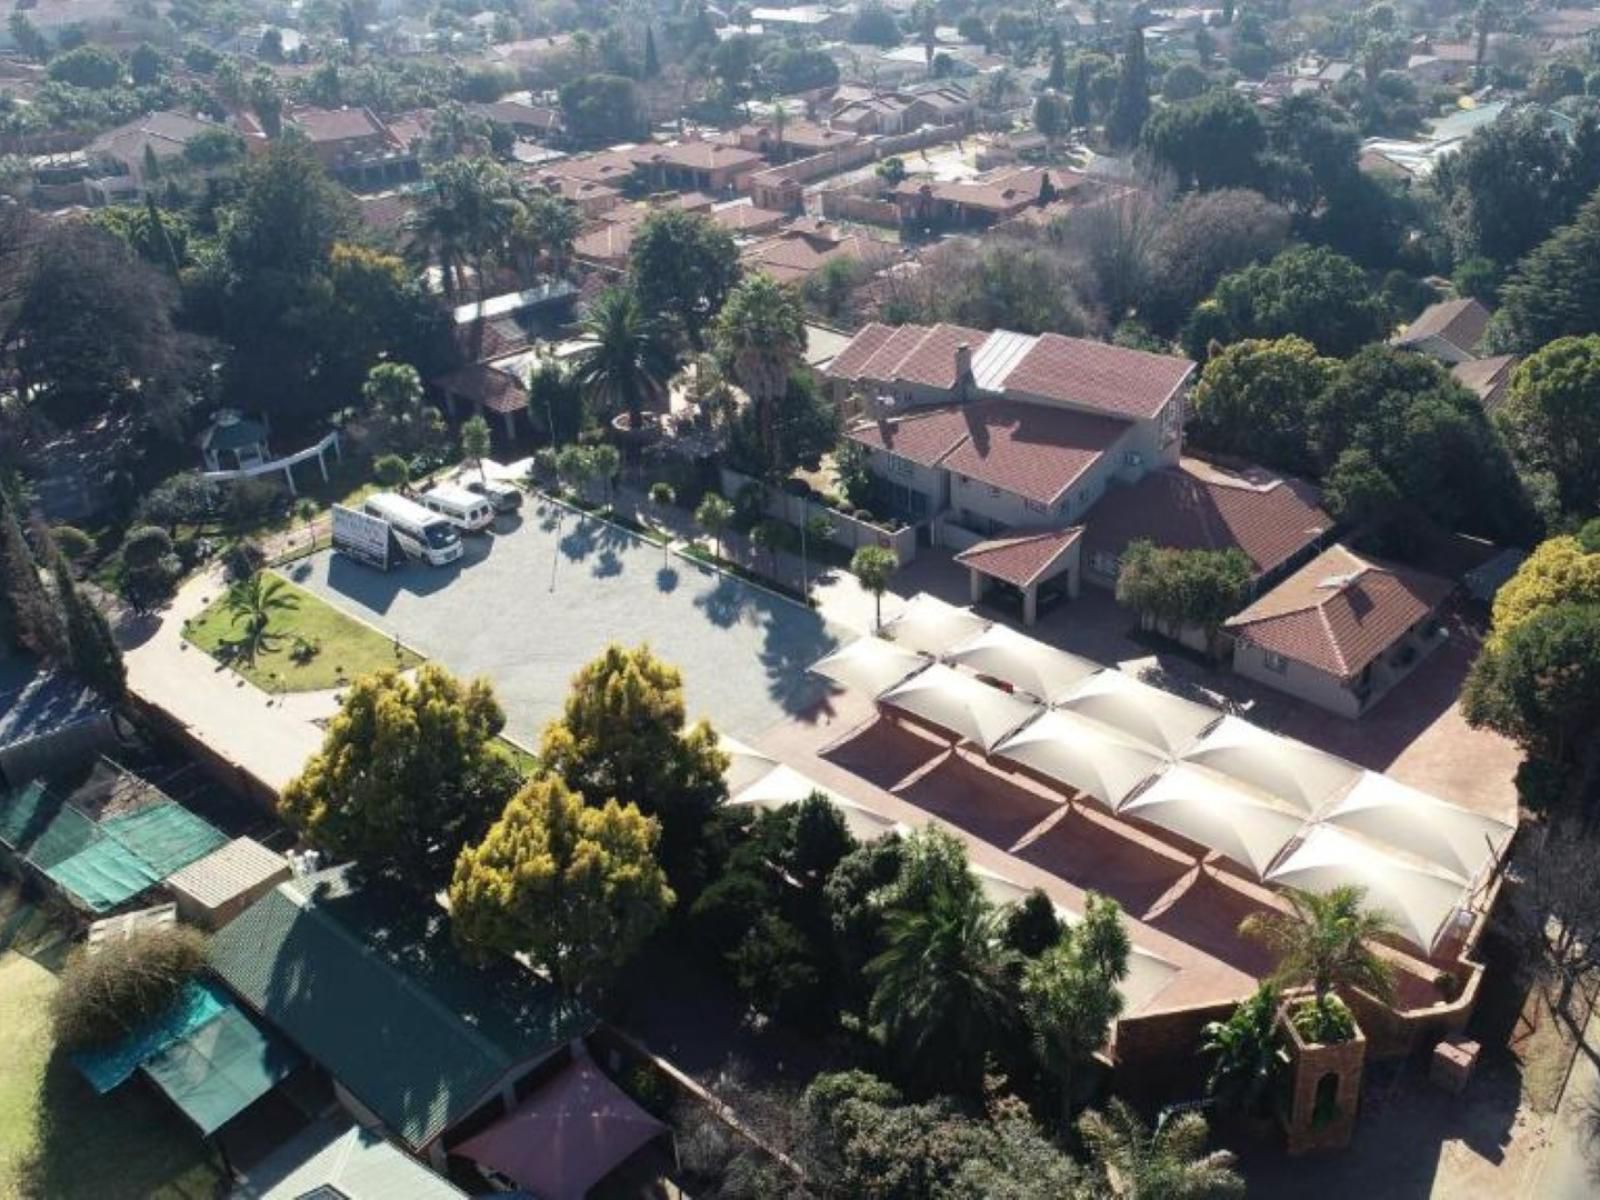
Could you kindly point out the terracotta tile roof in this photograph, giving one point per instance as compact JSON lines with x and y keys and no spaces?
{"x":386,"y":211}
{"x":697,"y":156}
{"x":611,"y":166}
{"x":336,"y":124}
{"x":747,"y":218}
{"x":1021,"y":560}
{"x":791,"y":258}
{"x":1028,"y":450}
{"x":484,"y":384}
{"x":1195,"y":507}
{"x":606,"y":243}
{"x":1340,"y":611}
{"x":867,"y":341}
{"x":1487,"y":378}
{"x":1004,"y":192}
{"x":882,"y":365}
{"x":1129,"y":383}
{"x":1462,"y":323}
{"x":932,"y":361}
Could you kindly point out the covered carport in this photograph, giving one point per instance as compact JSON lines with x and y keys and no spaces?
{"x":1027,"y":562}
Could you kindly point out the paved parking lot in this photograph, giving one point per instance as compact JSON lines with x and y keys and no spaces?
{"x":532,"y":603}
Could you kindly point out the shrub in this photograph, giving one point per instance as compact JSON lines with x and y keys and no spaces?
{"x":1324,"y":1021}
{"x":304,"y":649}
{"x":106,"y":994}
{"x":250,"y":500}
{"x":242,"y":559}
{"x":75,"y":545}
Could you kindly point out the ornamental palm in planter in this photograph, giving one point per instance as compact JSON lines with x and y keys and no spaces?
{"x":1249,"y":1060}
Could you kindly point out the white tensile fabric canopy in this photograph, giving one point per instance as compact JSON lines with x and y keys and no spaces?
{"x":869,"y":664}
{"x":1418,"y":897}
{"x":784,"y":786}
{"x":1448,"y":836}
{"x":745,"y":764}
{"x":1026,"y":664}
{"x":1220,"y":813}
{"x":1147,"y":973}
{"x":1088,"y":757}
{"x":931,"y":626}
{"x":975,"y":711}
{"x":1150,"y":714}
{"x":1288,"y":770}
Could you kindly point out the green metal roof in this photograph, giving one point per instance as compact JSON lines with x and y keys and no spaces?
{"x":364,"y":977}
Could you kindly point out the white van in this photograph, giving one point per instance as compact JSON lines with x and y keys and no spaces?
{"x":421,"y":534}
{"x":467,"y":512}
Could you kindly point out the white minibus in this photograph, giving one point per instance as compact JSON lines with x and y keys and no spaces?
{"x":466,"y":511}
{"x":421,"y":534}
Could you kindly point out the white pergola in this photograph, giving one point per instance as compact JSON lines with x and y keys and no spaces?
{"x":1448,"y":836}
{"x":1082,"y":754}
{"x":1151,"y":714}
{"x":1024,"y":663}
{"x":1221,"y":814}
{"x":974,"y":711}
{"x":869,"y":664}
{"x":1288,"y":770}
{"x":930,"y":626}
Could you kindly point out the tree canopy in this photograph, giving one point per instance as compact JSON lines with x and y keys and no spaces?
{"x":1552,"y":421}
{"x":1539,"y":683}
{"x":1255,"y":399}
{"x":1313,"y":292}
{"x":1555,"y":291}
{"x":683,"y":265}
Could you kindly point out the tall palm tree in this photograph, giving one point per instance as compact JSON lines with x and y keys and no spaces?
{"x":467,"y":217}
{"x":254,"y":602}
{"x":544,"y":226}
{"x":942,"y":985}
{"x":1170,"y":1164}
{"x":761,"y":335}
{"x":626,"y":362}
{"x":1325,"y":941}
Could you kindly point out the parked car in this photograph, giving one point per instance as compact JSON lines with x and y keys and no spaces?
{"x":506,"y":497}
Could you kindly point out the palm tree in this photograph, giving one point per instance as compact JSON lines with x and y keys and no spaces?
{"x":1170,"y":1164}
{"x":476,"y":442}
{"x":942,"y":986}
{"x":1070,"y":1002}
{"x":761,"y":335}
{"x":872,"y":566}
{"x":254,"y":602}
{"x":1324,"y":941}
{"x":713,"y":515}
{"x":1248,"y":1051}
{"x":543,"y":226}
{"x":626,"y":362}
{"x":663,"y":496}
{"x":468,"y":216}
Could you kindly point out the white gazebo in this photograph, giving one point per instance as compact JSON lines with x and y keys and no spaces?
{"x":973,"y":711}
{"x":234,"y":447}
{"x":1454,"y":838}
{"x":783,"y":786}
{"x":1022,"y":662}
{"x":1082,"y":754}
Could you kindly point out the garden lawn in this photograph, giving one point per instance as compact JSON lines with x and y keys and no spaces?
{"x":349,"y":648}
{"x":57,"y":1138}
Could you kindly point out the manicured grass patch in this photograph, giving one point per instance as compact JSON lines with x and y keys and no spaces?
{"x":57,"y":1138}
{"x":348,"y":648}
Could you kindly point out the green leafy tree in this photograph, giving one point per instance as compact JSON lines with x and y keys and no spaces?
{"x":872,"y":566}
{"x":652,"y":62}
{"x":1247,"y":1053}
{"x":1214,"y":141}
{"x":624,"y":735}
{"x":1359,"y":493}
{"x":713,"y":515}
{"x":149,"y":566}
{"x":92,"y":67}
{"x":574,"y":886}
{"x":409,"y":772}
{"x":1056,"y":79}
{"x":391,"y":471}
{"x":1175,"y":589}
{"x":1255,"y":400}
{"x":1560,"y":570}
{"x":1070,"y":998}
{"x":28,"y":620}
{"x":1325,"y":940}
{"x":1555,"y":291}
{"x":1170,"y":1164}
{"x":1132,"y":106}
{"x":476,"y":442}
{"x":1082,"y":106}
{"x":1313,"y":292}
{"x":602,"y":109}
{"x":625,"y":363}
{"x":398,"y":419}
{"x":683,"y":265}
{"x":605,"y":460}
{"x":1552,"y":421}
{"x":1540,"y":684}
{"x":1032,"y":926}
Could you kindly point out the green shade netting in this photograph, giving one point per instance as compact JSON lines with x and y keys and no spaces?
{"x":21,"y":812}
{"x":107,"y":1066}
{"x":104,"y":874}
{"x":166,"y":837}
{"x":215,"y":1072}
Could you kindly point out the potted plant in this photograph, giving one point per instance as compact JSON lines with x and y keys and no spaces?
{"x":1250,"y":1060}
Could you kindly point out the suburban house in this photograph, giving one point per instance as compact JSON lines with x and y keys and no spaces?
{"x":745,"y":220}
{"x":1487,"y":378}
{"x":973,"y":203}
{"x":610,"y":168}
{"x":885,"y":113}
{"x":975,"y":436}
{"x":1450,"y":331}
{"x":794,"y":139}
{"x":715,"y":168}
{"x":119,"y":158}
{"x":1341,"y":631}
{"x":939,"y":103}
{"x":822,"y":20}
{"x":526,"y":120}
{"x":369,"y":985}
{"x":609,"y":241}
{"x":355,"y":146}
{"x":794,"y":254}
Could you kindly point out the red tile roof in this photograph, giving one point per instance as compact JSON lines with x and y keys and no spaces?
{"x":1021,"y":560}
{"x":1195,"y":507}
{"x":483,"y":384}
{"x":932,"y":361}
{"x":698,"y":156}
{"x":336,"y":124}
{"x":867,"y":341}
{"x":1026,"y":449}
{"x":1462,"y":323}
{"x":1340,"y":611}
{"x":1130,"y":383}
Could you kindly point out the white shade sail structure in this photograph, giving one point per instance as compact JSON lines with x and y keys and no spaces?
{"x":1090,"y":758}
{"x":1221,"y":814}
{"x":1291,"y":771}
{"x":1147,"y":973}
{"x":784,"y":786}
{"x":869,"y":664}
{"x":1389,"y":812}
{"x":959,"y":703}
{"x":1419,"y":897}
{"x":1151,"y":714}
{"x":745,"y":764}
{"x":1023,"y":662}
{"x":931,"y":626}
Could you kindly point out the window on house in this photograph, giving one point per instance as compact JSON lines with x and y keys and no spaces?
{"x":898,"y":465}
{"x":1276,"y":663}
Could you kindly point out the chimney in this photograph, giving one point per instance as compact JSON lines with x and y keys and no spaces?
{"x":963,"y":371}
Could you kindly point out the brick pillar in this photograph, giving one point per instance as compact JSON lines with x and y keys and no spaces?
{"x":1310,"y":1065}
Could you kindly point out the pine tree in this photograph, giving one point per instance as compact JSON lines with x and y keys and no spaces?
{"x":1082,"y":107}
{"x":27,"y":618}
{"x":652,"y":64}
{"x":159,"y":235}
{"x":92,"y":651}
{"x":1133,"y":94}
{"x":1057,"y":79}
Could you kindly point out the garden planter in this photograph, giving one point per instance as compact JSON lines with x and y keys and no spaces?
{"x":1319,"y":1112}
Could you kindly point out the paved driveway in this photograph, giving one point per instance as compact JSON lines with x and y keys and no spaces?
{"x":532,"y":603}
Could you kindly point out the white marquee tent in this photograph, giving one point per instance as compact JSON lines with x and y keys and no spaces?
{"x":869,"y":664}
{"x":931,"y":626}
{"x":1284,"y":768}
{"x":1457,"y":839}
{"x":1220,"y":813}
{"x":1082,"y":754}
{"x":1150,"y":714}
{"x":1419,"y":897}
{"x":959,"y":703}
{"x":1026,"y":664}
{"x":784,"y":785}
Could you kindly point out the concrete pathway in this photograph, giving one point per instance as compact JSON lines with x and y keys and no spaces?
{"x":1571,"y":1168}
{"x":245,"y":726}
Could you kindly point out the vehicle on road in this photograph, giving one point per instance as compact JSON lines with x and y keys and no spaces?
{"x":466,"y":510}
{"x":420,"y":533}
{"x":506,"y":497}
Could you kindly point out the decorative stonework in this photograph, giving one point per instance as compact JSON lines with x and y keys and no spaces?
{"x":1319,"y":1112}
